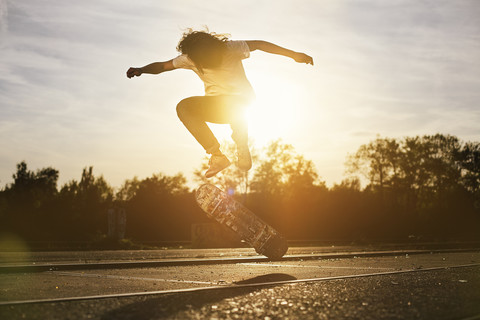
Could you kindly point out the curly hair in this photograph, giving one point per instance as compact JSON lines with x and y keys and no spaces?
{"x":204,"y":48}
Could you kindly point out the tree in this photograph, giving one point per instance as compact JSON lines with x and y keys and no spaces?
{"x":34,"y":187}
{"x":378,"y":161}
{"x":281,"y":171}
{"x":285,"y":189}
{"x":427,"y":177}
{"x":128,"y":190}
{"x":28,"y":200}
{"x":84,"y":206}
{"x":469,"y":159}
{"x":158,"y":208}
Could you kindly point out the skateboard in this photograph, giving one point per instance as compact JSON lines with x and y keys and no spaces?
{"x":222,"y":208}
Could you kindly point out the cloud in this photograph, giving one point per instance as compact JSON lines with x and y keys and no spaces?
{"x":3,"y":18}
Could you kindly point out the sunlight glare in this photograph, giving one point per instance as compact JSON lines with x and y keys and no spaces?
{"x":275,"y":112}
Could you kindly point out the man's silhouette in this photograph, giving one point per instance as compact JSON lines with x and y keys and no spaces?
{"x":218,"y":62}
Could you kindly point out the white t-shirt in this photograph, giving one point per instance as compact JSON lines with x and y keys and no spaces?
{"x":229,"y":78}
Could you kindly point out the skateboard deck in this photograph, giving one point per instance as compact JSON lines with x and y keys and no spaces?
{"x":224,"y":209}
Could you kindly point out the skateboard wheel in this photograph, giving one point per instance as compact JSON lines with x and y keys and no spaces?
{"x":275,"y":248}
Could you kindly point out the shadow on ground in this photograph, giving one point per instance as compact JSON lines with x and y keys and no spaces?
{"x":170,"y":304}
{"x":271,"y":277}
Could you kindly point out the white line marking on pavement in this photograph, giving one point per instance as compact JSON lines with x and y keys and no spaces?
{"x":229,"y":287}
{"x":319,"y":267}
{"x":107,"y":276}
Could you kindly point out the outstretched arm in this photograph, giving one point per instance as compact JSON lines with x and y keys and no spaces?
{"x":152,"y":68}
{"x":273,"y":48}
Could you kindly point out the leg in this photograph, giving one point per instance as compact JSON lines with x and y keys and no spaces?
{"x":195,"y":112}
{"x":240,"y":136}
{"x":189,"y":112}
{"x":240,"y":133}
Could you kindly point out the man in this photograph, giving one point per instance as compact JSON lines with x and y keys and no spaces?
{"x":218,"y":63}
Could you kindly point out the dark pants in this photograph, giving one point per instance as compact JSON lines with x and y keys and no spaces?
{"x":195,"y":112}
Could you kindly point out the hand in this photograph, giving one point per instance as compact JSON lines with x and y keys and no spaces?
{"x":134,"y":72}
{"x":302,"y":58}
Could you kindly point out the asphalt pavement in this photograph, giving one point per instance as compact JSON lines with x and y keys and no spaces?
{"x":443,"y":285}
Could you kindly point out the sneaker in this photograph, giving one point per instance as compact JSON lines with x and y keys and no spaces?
{"x":217,"y":163}
{"x":244,"y":161}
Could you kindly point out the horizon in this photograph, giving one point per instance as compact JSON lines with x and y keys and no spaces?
{"x":218,"y":179}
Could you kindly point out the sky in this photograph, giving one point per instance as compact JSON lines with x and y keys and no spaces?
{"x":390,"y":68}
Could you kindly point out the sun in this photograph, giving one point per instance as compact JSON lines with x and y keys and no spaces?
{"x":274,"y":113}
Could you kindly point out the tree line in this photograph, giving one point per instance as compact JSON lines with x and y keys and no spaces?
{"x":424,"y":187}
